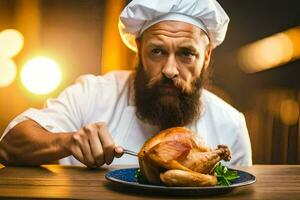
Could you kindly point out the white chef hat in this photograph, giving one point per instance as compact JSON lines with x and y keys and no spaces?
{"x":139,"y":15}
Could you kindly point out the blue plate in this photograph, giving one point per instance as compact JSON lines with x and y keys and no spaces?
{"x":126,"y":177}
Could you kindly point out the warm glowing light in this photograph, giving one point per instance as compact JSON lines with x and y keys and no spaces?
{"x":41,"y":75}
{"x":8,"y":71}
{"x":289,"y":111}
{"x":270,"y":52}
{"x":11,"y":43}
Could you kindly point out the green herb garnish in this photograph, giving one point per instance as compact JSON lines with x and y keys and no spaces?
{"x":224,"y":175}
{"x":140,"y":177}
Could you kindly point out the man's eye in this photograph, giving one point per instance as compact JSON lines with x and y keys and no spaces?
{"x":187,"y":53}
{"x":157,"y":51}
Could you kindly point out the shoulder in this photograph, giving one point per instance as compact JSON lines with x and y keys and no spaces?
{"x":220,"y":110}
{"x":112,"y":78}
{"x":96,"y":89}
{"x":114,"y":81}
{"x":99,"y":96}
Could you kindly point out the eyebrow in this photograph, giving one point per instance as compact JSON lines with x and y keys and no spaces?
{"x":188,"y":47}
{"x":184,"y":46}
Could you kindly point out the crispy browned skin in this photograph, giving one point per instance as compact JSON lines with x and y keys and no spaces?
{"x":175,"y":177}
{"x":176,"y":157}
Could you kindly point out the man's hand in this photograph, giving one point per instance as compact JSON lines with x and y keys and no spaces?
{"x":93,"y":145}
{"x":30,"y":144}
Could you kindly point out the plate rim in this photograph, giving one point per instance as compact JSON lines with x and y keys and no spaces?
{"x":162,"y":187}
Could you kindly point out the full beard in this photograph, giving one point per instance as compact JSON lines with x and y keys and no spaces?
{"x":166,"y":103}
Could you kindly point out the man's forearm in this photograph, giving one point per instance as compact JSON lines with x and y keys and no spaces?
{"x":29,"y":144}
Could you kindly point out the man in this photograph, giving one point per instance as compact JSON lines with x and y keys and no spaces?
{"x":174,"y":40}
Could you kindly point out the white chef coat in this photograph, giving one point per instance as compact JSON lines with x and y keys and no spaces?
{"x":108,"y":99}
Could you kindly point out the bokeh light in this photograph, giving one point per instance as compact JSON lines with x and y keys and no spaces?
{"x":11,"y":43}
{"x":271,"y":51}
{"x":8,"y":71}
{"x":41,"y":75}
{"x":289,"y":111}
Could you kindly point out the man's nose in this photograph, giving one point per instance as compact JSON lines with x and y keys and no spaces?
{"x":170,"y":69}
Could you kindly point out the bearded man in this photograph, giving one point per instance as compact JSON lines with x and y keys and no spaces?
{"x":93,"y":120}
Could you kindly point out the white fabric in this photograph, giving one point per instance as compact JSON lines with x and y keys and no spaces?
{"x":109,"y":99}
{"x":139,"y":15}
{"x":174,"y":17}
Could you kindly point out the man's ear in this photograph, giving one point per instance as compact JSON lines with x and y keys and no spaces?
{"x":207,"y":56}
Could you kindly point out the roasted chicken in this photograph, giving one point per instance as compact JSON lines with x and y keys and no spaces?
{"x":176,"y":157}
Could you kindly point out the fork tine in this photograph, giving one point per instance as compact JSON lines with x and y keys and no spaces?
{"x":130,"y":152}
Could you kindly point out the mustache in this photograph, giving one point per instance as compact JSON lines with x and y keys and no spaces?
{"x":161,"y":80}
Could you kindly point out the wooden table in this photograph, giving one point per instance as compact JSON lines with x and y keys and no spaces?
{"x":68,"y":182}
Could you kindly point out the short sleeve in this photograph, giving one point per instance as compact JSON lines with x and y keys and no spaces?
{"x":64,"y":113}
{"x":241,"y":146}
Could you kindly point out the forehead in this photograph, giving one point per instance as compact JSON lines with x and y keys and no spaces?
{"x":175,"y":31}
